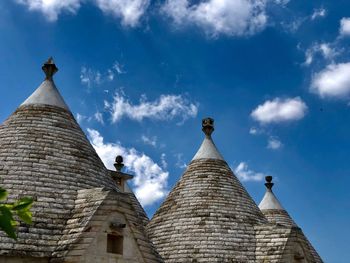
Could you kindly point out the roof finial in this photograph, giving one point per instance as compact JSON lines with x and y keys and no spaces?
{"x":49,"y":68}
{"x":268,"y":183}
{"x":119,"y":163}
{"x":208,"y":126}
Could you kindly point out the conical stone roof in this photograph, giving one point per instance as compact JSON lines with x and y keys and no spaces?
{"x":272,"y":208}
{"x":208,"y":216}
{"x":45,"y":154}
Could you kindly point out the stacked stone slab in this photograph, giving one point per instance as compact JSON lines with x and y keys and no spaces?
{"x":44,"y":154}
{"x":209,"y":217}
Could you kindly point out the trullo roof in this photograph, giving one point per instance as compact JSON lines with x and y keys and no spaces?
{"x":45,"y":154}
{"x":208,"y":214}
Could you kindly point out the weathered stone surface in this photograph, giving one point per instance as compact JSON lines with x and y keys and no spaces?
{"x":278,"y":217}
{"x":45,"y":154}
{"x":207,"y":217}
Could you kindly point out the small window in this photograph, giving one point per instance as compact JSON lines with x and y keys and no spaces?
{"x":115,"y":244}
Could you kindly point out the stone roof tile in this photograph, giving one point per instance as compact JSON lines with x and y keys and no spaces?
{"x":207,"y":217}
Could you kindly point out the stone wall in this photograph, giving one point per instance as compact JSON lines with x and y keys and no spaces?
{"x":4,"y":259}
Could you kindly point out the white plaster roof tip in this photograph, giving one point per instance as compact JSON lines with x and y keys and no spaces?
{"x":47,"y":93}
{"x":270,"y":201}
{"x":208,"y":149}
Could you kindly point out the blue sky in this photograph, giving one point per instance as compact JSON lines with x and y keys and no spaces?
{"x":140,"y":75}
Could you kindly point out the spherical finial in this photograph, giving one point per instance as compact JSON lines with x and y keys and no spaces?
{"x":269,"y":183}
{"x":119,"y":163}
{"x":208,"y":126}
{"x":49,"y":68}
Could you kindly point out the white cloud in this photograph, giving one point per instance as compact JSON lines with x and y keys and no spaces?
{"x":129,"y":11}
{"x":89,"y":77}
{"x":150,"y":180}
{"x":345,"y":26}
{"x":119,"y":68}
{"x":167,"y":107}
{"x":180,"y":163}
{"x":110,"y":75}
{"x":245,"y":174}
{"x":280,"y":110}
{"x":228,"y":17}
{"x":320,"y":12}
{"x":255,"y":131}
{"x":80,"y":118}
{"x":99,"y":117}
{"x":294,"y":24}
{"x":274,"y":144}
{"x":149,"y":140}
{"x":333,"y":81}
{"x":52,"y":8}
{"x":325,"y":49}
{"x":163,"y":161}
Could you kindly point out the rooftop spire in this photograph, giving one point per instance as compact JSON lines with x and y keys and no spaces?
{"x":119,"y":163}
{"x":208,"y":149}
{"x":269,"y":183}
{"x":49,"y":68}
{"x":270,"y":201}
{"x":208,"y":126}
{"x":272,"y":208}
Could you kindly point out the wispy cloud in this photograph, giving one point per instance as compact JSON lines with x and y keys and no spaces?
{"x":149,"y":140}
{"x":150,"y":181}
{"x":245,"y":174}
{"x":333,"y":81}
{"x":92,"y":77}
{"x":318,"y":13}
{"x":166,"y":107}
{"x":215,"y":17}
{"x":344,"y":29}
{"x":83,"y":118}
{"x":119,"y":67}
{"x":180,"y":163}
{"x":163,"y":160}
{"x":99,"y":117}
{"x":80,"y":118}
{"x":52,"y":9}
{"x":129,"y":11}
{"x":89,"y":77}
{"x":327,"y":50}
{"x":273,"y":143}
{"x":255,"y":131}
{"x":280,"y":110}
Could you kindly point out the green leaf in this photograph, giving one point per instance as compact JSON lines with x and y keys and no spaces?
{"x":6,"y":221}
{"x":25,"y":215}
{"x":23,"y":204}
{"x":3,"y":194}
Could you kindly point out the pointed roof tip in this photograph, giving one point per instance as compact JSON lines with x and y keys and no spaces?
{"x":272,"y":208}
{"x":269,"y":200}
{"x":47,"y":93}
{"x":208,"y":149}
{"x":49,"y":68}
{"x":208,"y":126}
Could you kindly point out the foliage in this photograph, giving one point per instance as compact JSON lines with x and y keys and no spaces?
{"x":21,"y":208}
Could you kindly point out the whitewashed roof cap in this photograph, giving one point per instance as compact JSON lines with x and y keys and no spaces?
{"x":47,"y":93}
{"x":270,"y":201}
{"x":208,"y":149}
